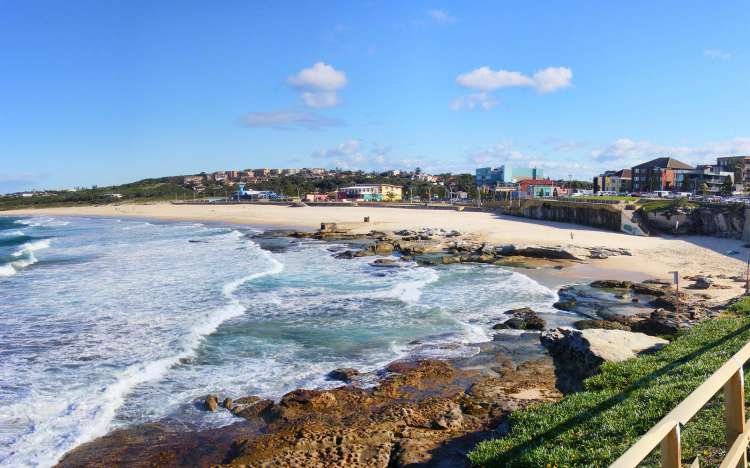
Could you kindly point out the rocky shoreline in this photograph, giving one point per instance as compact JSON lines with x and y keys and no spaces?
{"x":423,"y":412}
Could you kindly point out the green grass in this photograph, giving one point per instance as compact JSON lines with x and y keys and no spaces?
{"x":614,"y":197}
{"x":147,"y":190}
{"x":619,"y":405}
{"x":661,"y":205}
{"x":595,"y":198}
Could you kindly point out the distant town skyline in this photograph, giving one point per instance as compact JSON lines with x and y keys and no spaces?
{"x":107,"y":93}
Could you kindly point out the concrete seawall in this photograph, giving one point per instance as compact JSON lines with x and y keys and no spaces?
{"x":609,"y":216}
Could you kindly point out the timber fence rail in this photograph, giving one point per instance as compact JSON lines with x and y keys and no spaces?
{"x":666,"y":433}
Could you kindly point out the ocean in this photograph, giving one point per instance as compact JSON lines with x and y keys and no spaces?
{"x":106,"y":323}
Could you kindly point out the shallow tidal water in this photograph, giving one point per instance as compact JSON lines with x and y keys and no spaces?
{"x":106,"y":323}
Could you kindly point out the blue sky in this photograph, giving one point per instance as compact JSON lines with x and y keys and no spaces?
{"x":102,"y":92}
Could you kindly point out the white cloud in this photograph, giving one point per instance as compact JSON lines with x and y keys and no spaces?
{"x":319,"y":84}
{"x":355,"y":154}
{"x":559,"y":158}
{"x":497,"y":155}
{"x":288,"y":120}
{"x":716,"y":54}
{"x":486,"y":79}
{"x":483,"y":101}
{"x":320,"y":98}
{"x":441,"y":16}
{"x":544,"y":81}
{"x":554,"y":166}
{"x":561,"y":145}
{"x":346,"y":149}
{"x":320,"y":76}
{"x":626,"y":152}
{"x":552,"y":78}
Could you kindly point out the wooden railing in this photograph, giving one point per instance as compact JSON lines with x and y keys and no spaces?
{"x":666,"y":433}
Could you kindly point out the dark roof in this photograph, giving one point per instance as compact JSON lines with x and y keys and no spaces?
{"x":670,"y":163}
{"x":624,"y":173}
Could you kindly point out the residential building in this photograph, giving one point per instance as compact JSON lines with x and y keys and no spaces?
{"x":372,"y":192}
{"x":661,"y":174}
{"x":193,"y":180}
{"x":316,"y":197}
{"x":424,"y":177}
{"x":262,"y":172}
{"x":219,"y":176}
{"x":614,"y":181}
{"x":710,"y":179}
{"x":242,"y":193}
{"x":670,"y":174}
{"x":536,"y":188}
{"x":506,"y":174}
{"x":740,"y":167}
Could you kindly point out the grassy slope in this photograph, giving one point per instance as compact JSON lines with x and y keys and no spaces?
{"x":661,"y":205}
{"x":595,"y":426}
{"x":144,"y":190}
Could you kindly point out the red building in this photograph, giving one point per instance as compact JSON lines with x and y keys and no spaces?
{"x":537,"y":188}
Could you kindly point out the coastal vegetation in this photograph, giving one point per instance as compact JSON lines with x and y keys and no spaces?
{"x":165,"y":188}
{"x":663,"y":205}
{"x":595,"y":426}
{"x":172,"y":188}
{"x":624,"y":198}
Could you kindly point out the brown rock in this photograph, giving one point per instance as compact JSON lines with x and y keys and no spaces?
{"x":253,"y":410}
{"x":604,"y":324}
{"x":452,"y":420}
{"x":211,"y":402}
{"x":612,"y":284}
{"x":306,"y":400}
{"x":247,"y":400}
{"x":522,"y":319}
{"x":350,"y":426}
{"x":344,"y":374}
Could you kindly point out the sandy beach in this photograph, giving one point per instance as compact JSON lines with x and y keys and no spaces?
{"x":652,"y":256}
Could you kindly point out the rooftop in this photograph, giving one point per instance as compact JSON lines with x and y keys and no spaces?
{"x":665,"y":163}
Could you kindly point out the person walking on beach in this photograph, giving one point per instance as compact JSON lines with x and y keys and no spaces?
{"x":571,"y":236}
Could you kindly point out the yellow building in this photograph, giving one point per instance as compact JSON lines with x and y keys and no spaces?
{"x":373,"y":192}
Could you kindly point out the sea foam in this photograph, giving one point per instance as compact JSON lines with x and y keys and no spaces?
{"x":89,"y":412}
{"x":25,"y":255}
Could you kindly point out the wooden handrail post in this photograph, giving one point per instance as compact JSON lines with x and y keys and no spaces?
{"x":734,"y":406}
{"x":671,"y":449}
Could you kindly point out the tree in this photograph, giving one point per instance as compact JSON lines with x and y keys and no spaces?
{"x":704,"y":188}
{"x":418,"y":170}
{"x":726,"y":187}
